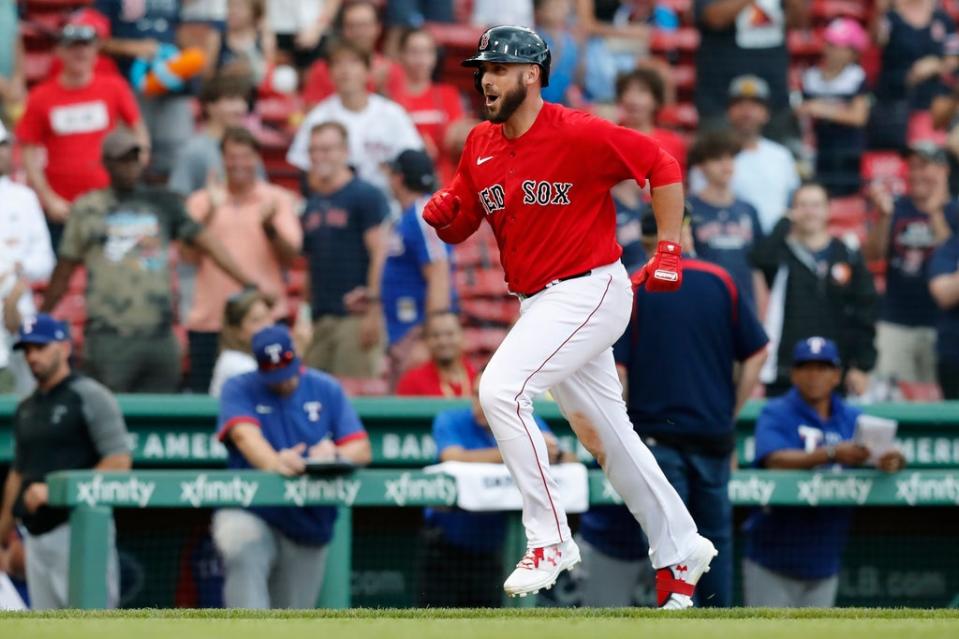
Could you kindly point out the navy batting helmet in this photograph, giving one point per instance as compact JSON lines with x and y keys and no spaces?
{"x":510,"y":45}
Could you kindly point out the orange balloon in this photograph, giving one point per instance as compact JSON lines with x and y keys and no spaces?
{"x":185,"y":66}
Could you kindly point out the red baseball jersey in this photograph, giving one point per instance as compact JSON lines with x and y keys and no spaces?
{"x":546,"y":193}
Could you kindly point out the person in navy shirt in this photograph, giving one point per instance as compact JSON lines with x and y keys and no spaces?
{"x":908,"y":230}
{"x":275,"y":419}
{"x":344,"y":239}
{"x":472,"y":542}
{"x":416,"y":275}
{"x":793,"y":555}
{"x":725,"y":228}
{"x":685,"y":413}
{"x":836,"y":98}
{"x":944,"y":287}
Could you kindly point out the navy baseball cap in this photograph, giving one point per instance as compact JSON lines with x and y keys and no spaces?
{"x":416,"y":169}
{"x":816,"y":349}
{"x":41,"y":329}
{"x":276,"y":359}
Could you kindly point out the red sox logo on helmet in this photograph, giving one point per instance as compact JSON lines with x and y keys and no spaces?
{"x":484,"y":42}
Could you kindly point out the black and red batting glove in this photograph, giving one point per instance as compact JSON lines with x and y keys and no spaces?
{"x":663,"y":273}
{"x":442,"y":209}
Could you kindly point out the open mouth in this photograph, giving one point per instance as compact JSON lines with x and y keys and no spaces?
{"x":491,"y":100}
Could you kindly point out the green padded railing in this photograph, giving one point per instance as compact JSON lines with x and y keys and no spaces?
{"x":170,"y":431}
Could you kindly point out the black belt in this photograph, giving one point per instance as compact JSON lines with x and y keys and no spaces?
{"x":524,"y":296}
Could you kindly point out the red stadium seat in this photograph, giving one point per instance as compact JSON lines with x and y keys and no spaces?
{"x":36,"y":66}
{"x":479,"y":282}
{"x":847,"y":218}
{"x":482,"y":311}
{"x":78,"y":281}
{"x":850,"y":210}
{"x":364,"y":387}
{"x":885,"y":166}
{"x":72,"y":308}
{"x":826,"y":10}
{"x":56,"y":5}
{"x":295,"y":282}
{"x":684,"y":77}
{"x":455,"y":36}
{"x":681,"y":115}
{"x":804,"y":43}
{"x":486,"y":340}
{"x":685,"y":39}
{"x":920,"y":391}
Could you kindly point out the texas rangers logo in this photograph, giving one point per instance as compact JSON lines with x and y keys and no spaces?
{"x":273,"y":351}
{"x":313,"y":410}
{"x":484,"y":42}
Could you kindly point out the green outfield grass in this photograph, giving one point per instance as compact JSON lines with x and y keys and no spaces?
{"x":470,"y":624}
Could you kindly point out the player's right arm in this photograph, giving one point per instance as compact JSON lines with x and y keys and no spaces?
{"x":454,"y":211}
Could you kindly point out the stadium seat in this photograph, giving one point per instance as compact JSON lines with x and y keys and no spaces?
{"x":685,"y":39}
{"x":479,"y":340}
{"x":684,"y":78}
{"x":851,"y":210}
{"x":56,"y":5}
{"x":483,"y":311}
{"x":480,"y":282}
{"x":296,"y":282}
{"x":804,"y":43}
{"x":885,"y":166}
{"x":72,"y":308}
{"x":277,"y":111}
{"x":36,"y":66}
{"x":823,"y":11}
{"x":681,"y":115}
{"x":921,"y":129}
{"x":920,"y":391}
{"x":364,"y":387}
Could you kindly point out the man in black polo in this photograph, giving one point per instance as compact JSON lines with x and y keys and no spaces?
{"x":69,"y":423}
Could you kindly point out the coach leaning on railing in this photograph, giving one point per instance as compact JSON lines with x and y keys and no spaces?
{"x":275,"y":419}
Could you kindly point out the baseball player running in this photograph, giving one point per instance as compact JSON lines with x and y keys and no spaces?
{"x":540,"y":175}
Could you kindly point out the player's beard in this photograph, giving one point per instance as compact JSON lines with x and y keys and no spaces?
{"x":509,"y":102}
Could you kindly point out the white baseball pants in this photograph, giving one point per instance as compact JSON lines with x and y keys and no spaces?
{"x":563,"y":342}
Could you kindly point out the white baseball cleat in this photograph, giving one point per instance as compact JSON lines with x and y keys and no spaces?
{"x":539,"y":568}
{"x":676,"y":584}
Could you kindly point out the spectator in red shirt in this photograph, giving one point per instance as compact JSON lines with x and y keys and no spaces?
{"x":360,"y":25}
{"x":65,"y":122}
{"x":447,"y":374}
{"x":640,"y":95}
{"x":436,"y":109}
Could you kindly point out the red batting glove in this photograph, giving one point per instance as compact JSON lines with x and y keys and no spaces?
{"x":442,"y":209}
{"x":663,"y":273}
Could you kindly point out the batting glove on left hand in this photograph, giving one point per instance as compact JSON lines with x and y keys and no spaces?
{"x":663,"y":273}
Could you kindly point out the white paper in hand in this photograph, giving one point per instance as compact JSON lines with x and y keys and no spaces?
{"x":877,"y":434}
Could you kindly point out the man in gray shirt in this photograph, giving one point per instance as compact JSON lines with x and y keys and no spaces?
{"x":69,"y":423}
{"x":224,"y":103}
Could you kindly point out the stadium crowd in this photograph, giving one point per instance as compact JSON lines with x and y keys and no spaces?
{"x":177,"y":176}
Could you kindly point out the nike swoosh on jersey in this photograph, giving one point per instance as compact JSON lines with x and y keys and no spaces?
{"x":482,"y":160}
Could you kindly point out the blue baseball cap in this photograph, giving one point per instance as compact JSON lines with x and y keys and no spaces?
{"x":816,"y":349}
{"x":41,"y":329}
{"x":276,"y":359}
